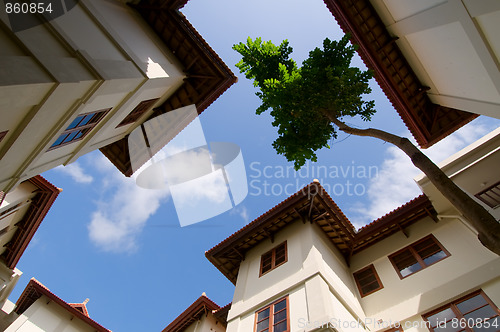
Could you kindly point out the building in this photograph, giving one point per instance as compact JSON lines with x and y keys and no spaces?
{"x":202,"y":315}
{"x":86,"y":78}
{"x":38,"y":309}
{"x":437,"y":61}
{"x":302,"y":266}
{"x":21,"y":212}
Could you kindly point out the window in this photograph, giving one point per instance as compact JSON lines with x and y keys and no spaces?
{"x":367,"y":280}
{"x":273,"y":258}
{"x":137,"y":112}
{"x":273,"y":318}
{"x":418,"y":256}
{"x":490,"y":196}
{"x":474,"y":312}
{"x":80,"y":127}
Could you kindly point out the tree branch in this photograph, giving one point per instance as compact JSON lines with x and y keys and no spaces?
{"x":486,"y":225}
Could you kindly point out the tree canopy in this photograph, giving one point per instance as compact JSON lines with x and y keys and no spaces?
{"x":299,"y":97}
{"x":308,"y":104}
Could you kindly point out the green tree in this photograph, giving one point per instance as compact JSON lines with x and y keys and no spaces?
{"x":309,"y":103}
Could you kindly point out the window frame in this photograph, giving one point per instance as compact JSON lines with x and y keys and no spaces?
{"x":273,"y":259}
{"x":417,"y":256}
{"x":97,"y":117}
{"x":494,"y":190}
{"x":271,"y":315}
{"x":453,"y":306}
{"x":372,"y":268}
{"x":141,"y":109}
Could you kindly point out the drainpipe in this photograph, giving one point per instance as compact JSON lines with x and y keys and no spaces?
{"x":459,"y":217}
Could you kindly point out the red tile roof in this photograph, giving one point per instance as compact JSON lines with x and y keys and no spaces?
{"x":228,"y":254}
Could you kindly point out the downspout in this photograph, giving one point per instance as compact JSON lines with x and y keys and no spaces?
{"x":459,"y":217}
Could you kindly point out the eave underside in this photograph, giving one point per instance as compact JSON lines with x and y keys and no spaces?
{"x":207,"y":77}
{"x":428,"y":122}
{"x":325,"y":214}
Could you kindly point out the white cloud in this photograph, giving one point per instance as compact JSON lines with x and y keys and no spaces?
{"x":76,"y":172}
{"x":123,"y":210}
{"x":394,"y":184}
{"x":242,"y":211}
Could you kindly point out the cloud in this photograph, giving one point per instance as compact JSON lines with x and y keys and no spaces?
{"x":394,"y":184}
{"x":122,"y":211}
{"x":242,"y":211}
{"x":76,"y":172}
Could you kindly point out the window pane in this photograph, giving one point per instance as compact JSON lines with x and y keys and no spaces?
{"x":70,"y":137}
{"x":280,"y":305}
{"x":471,"y":304}
{"x":263,"y":325}
{"x":278,"y":317}
{"x":263,"y":314}
{"x":411,"y":269}
{"x":280,"y":254}
{"x":447,"y":328}
{"x":483,"y":313}
{"x":441,"y":317}
{"x":86,"y":119}
{"x":370,"y":287}
{"x":75,"y":122}
{"x":404,"y":260}
{"x":488,"y":326}
{"x":434,"y":258}
{"x":59,"y":140}
{"x":280,"y":327}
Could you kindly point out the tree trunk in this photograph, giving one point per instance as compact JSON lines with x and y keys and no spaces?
{"x":487,"y":226}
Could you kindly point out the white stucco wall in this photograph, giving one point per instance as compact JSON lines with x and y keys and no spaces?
{"x":47,"y":316}
{"x":469,"y":267}
{"x":98,"y":55}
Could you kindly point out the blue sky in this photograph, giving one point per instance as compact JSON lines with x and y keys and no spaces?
{"x":123,"y":247}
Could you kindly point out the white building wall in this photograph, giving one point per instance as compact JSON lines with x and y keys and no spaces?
{"x":316,"y":280}
{"x":452,"y":46}
{"x":47,"y":316}
{"x":98,"y":55}
{"x":469,"y":267}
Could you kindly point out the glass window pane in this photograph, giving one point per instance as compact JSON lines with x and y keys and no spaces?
{"x":280,"y":327}
{"x":75,"y":122}
{"x":471,"y":304}
{"x":370,"y":287}
{"x":70,"y":137}
{"x":447,"y":328}
{"x":86,"y":119}
{"x":441,"y":317}
{"x":411,"y":269}
{"x":279,"y":316}
{"x":488,"y":326}
{"x":483,"y":313}
{"x":434,"y":258}
{"x":59,"y":140}
{"x":404,"y":259}
{"x":280,"y":305}
{"x":263,"y":314}
{"x":263,"y":325}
